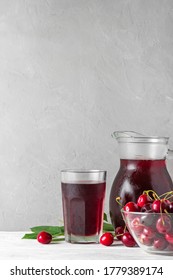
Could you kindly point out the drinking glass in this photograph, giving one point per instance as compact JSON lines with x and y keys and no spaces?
{"x":83,"y":193}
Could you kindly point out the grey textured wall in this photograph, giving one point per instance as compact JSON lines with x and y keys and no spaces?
{"x":71,"y":73}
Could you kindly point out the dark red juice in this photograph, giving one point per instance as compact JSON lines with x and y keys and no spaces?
{"x":133,"y":177}
{"x":83,"y":207}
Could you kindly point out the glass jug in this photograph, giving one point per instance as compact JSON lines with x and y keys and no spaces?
{"x":142,"y":167}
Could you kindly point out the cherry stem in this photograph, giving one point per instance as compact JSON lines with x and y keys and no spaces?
{"x":118,"y":200}
{"x":163,"y":222}
{"x":161,"y":206}
{"x":169,"y":196}
{"x":120,"y":234}
{"x":154,"y":194}
{"x":166,"y":195}
{"x":167,"y":212}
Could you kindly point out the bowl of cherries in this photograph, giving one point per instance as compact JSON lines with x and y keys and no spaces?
{"x":150,"y":222}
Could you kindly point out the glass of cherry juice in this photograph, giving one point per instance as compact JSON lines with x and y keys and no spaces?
{"x":83,"y":193}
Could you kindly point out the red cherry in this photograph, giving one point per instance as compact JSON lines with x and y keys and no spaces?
{"x":167,"y":201}
{"x":160,"y":243}
{"x":128,"y":240}
{"x":44,"y":237}
{"x":107,"y":239}
{"x":119,"y":232}
{"x":131,"y":207}
{"x":146,"y":240}
{"x":143,"y":199}
{"x":149,"y":220}
{"x":149,"y":232}
{"x":159,"y":206}
{"x":147,"y":208}
{"x":163,"y":224}
{"x":170,"y":210}
{"x":170,"y":247}
{"x":136,"y":225}
{"x":169,"y":237}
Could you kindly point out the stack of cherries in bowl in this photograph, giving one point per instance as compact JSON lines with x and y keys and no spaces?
{"x":150,"y":222}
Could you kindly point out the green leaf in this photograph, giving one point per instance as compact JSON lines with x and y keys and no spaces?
{"x":107,"y":227}
{"x":58,"y":239}
{"x":33,"y":235}
{"x":30,"y":236}
{"x":54,"y":230}
{"x":105,"y":218}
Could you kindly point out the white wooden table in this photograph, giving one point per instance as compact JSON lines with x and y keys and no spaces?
{"x":12,"y":247}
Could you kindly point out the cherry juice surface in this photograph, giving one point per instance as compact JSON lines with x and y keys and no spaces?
{"x":83,"y":207}
{"x":133,"y":177}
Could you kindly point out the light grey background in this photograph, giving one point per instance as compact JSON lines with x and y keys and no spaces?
{"x":71,"y":73}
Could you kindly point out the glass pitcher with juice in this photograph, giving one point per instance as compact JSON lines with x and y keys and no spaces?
{"x":142,"y":167}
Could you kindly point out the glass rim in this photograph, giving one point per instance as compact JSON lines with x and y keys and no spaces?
{"x":145,"y":213}
{"x":83,"y":171}
{"x":143,"y":139}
